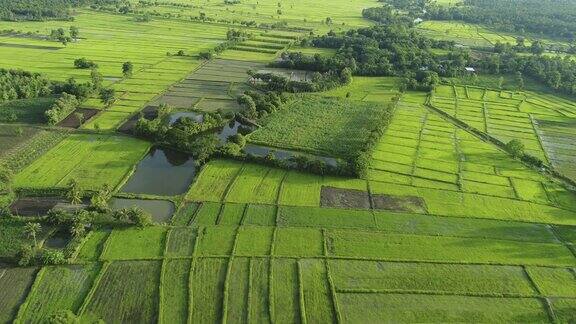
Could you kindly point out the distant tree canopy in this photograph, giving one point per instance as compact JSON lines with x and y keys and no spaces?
{"x":556,"y":18}
{"x":383,"y":50}
{"x":40,"y":10}
{"x":18,"y":84}
{"x":37,"y":9}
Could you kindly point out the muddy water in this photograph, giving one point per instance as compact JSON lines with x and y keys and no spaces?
{"x":57,"y":241}
{"x":160,"y":210}
{"x":162,"y":172}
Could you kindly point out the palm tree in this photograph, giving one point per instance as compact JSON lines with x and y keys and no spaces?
{"x":74,"y":193}
{"x":32,"y":229}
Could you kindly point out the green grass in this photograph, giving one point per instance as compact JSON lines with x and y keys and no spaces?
{"x":318,"y":299}
{"x":213,"y":180}
{"x":259,"y":291}
{"x":91,"y":160}
{"x":406,"y":308}
{"x":325,"y":126}
{"x":238,"y":291}
{"x":207,"y":290}
{"x":215,"y":240}
{"x":430,"y":278}
{"x":263,"y":215}
{"x":254,"y":241}
{"x":180,"y":242}
{"x":448,"y":249}
{"x":208,"y":213}
{"x":560,"y":282}
{"x":10,"y":137}
{"x":175,"y":291}
{"x":301,"y":242}
{"x":146,"y":243}
{"x":14,"y":286}
{"x":25,"y":110}
{"x":92,"y":247}
{"x":57,"y":289}
{"x":285,"y":291}
{"x":135,"y":283}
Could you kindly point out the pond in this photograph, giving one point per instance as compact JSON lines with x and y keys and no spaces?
{"x":58,"y":240}
{"x":280,"y":154}
{"x":161,"y":210}
{"x":162,"y":172}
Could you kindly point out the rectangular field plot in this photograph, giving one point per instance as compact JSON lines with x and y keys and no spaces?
{"x":285,"y":291}
{"x":207,"y":290}
{"x":127,"y":291}
{"x":56,"y":289}
{"x":406,"y":308}
{"x":92,"y":247}
{"x":448,"y":249}
{"x":254,"y":241}
{"x":14,"y":286}
{"x":564,"y":309}
{"x":180,"y":242}
{"x":91,"y":160}
{"x":298,"y":126}
{"x":298,"y":242}
{"x":425,"y":277}
{"x":215,"y":241}
{"x":314,"y":287}
{"x":213,"y":181}
{"x":147,"y":243}
{"x":237,"y":303}
{"x":174,"y":303}
{"x":559,"y":282}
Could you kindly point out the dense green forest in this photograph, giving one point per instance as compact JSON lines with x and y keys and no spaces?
{"x":556,"y":18}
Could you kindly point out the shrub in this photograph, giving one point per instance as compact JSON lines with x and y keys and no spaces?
{"x":53,"y":257}
{"x":83,"y":63}
{"x":63,"y":107}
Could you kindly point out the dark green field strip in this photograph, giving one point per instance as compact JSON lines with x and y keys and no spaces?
{"x":57,"y":289}
{"x":174,"y":292}
{"x":15,"y":284}
{"x":410,"y":308}
{"x":258,"y":241}
{"x":134,"y":283}
{"x":367,"y":220}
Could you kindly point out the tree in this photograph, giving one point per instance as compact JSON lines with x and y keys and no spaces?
{"x":84,"y":63}
{"x":32,"y":230}
{"x":74,"y":32}
{"x":97,"y":79}
{"x":79,"y":117}
{"x":515,"y":148}
{"x":107,"y":96}
{"x":537,"y":47}
{"x":74,"y":193}
{"x":53,"y":257}
{"x":127,"y":69}
{"x":139,"y":217}
{"x":99,"y":199}
{"x":520,"y":80}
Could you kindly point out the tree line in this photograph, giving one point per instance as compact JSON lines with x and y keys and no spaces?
{"x":555,"y":18}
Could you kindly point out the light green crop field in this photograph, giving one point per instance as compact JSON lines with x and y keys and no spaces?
{"x":301,"y":13}
{"x":463,"y":33}
{"x":445,"y":227}
{"x":539,"y":121}
{"x":329,"y":126}
{"x":92,"y":160}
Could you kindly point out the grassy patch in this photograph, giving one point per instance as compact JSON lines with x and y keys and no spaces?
{"x":326,"y":126}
